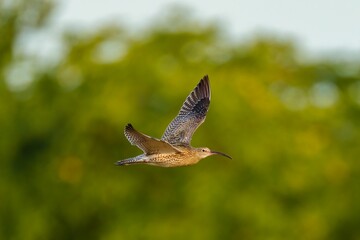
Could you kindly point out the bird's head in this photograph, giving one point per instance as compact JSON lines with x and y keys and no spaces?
{"x":204,"y":152}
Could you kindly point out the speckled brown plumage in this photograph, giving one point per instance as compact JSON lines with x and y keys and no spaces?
{"x":174,"y":149}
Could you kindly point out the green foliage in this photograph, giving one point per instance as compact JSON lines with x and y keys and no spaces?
{"x":291,"y":127}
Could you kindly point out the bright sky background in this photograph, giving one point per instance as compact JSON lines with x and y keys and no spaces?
{"x":321,"y":28}
{"x":318,"y":24}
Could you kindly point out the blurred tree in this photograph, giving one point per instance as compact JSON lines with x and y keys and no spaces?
{"x":290,"y":125}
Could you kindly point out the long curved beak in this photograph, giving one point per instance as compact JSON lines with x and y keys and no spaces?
{"x":222,"y":154}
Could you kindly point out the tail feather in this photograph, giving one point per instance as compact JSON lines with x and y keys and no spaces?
{"x":129,"y":161}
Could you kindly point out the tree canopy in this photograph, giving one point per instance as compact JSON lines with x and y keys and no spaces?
{"x":291,"y":126}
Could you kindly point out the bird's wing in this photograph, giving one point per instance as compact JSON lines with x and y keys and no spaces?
{"x":191,"y":115}
{"x":148,"y":144}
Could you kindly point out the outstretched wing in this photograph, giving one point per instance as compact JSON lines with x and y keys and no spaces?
{"x":191,"y":115}
{"x":148,"y":144}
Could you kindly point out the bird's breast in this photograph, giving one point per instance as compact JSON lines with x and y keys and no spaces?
{"x":173,"y":159}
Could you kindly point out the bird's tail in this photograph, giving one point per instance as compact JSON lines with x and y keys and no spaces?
{"x":129,"y":161}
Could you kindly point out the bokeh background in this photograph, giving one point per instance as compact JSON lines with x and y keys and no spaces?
{"x":290,"y":122}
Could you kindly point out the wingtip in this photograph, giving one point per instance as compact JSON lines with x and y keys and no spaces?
{"x":205,"y":80}
{"x":204,"y":84}
{"x":129,"y":126}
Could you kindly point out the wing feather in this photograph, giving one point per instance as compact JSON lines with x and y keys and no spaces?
{"x":192,"y":114}
{"x":148,"y":144}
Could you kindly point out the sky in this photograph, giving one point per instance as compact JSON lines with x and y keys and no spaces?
{"x":320,"y":28}
{"x":319,"y":25}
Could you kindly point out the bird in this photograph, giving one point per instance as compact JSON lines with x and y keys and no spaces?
{"x":174,"y":149}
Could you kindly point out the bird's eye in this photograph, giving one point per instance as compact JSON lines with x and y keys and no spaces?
{"x":203,"y":150}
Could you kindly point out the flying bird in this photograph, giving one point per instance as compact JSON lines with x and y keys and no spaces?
{"x":174,"y":149}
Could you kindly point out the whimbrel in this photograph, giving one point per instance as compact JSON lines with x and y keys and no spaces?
{"x":174,"y":149}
